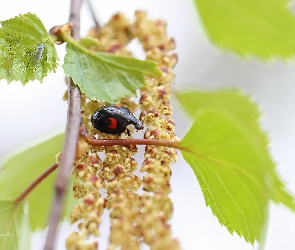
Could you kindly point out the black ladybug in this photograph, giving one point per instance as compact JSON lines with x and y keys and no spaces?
{"x":113,"y":119}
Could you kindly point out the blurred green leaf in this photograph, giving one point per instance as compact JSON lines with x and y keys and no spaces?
{"x":27,"y":52}
{"x":88,"y":41}
{"x":21,"y":169}
{"x":250,"y":27}
{"x":102,"y":76}
{"x":15,"y":232}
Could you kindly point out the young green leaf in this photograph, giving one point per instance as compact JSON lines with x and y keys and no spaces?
{"x":240,"y":106}
{"x":261,"y":28}
{"x":27,"y":51}
{"x":21,"y":169}
{"x":15,"y":232}
{"x":102,"y":76}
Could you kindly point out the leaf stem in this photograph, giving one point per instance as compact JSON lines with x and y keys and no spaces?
{"x":71,"y":139}
{"x":70,"y":40}
{"x":35,"y":183}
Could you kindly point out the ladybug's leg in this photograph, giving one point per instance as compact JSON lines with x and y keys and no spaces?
{"x":128,"y":132}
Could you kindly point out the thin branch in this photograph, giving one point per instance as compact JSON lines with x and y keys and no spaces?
{"x":112,"y":142}
{"x":75,"y":17}
{"x":71,"y":139}
{"x":37,"y":181}
{"x":93,"y":15}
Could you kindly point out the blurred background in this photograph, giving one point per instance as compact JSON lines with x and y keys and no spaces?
{"x":37,"y":110}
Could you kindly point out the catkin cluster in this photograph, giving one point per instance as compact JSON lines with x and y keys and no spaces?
{"x":140,"y":207}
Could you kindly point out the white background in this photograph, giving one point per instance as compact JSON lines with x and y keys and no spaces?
{"x":29,"y":112}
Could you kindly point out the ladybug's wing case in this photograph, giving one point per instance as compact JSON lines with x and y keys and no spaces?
{"x":107,"y":120}
{"x":113,"y":124}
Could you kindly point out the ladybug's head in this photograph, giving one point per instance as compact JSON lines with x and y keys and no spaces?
{"x":138,"y":124}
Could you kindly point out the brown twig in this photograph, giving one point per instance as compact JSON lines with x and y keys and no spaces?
{"x":71,"y":139}
{"x":35,"y":183}
{"x":155,"y":142}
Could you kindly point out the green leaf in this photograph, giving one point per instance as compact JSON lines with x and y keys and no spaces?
{"x":257,"y":27}
{"x":239,"y":105}
{"x":228,"y":153}
{"x":15,"y":232}
{"x":27,"y":51}
{"x":102,"y":76}
{"x":21,"y":169}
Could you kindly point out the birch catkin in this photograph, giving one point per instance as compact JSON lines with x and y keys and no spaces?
{"x":136,"y":216}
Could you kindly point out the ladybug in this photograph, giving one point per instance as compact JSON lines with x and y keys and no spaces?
{"x":113,"y":119}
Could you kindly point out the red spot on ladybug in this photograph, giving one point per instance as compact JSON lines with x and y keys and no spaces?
{"x":114,"y":123}
{"x":113,"y":119}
